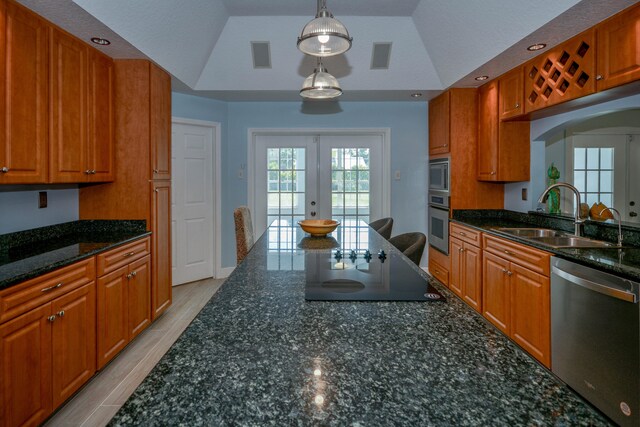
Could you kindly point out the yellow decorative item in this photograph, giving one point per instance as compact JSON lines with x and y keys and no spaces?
{"x":318,"y":227}
{"x":595,"y":212}
{"x":584,"y":210}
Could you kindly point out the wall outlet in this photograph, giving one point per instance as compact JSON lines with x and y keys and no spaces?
{"x":396,"y":175}
{"x":42,"y":199}
{"x":524,"y":194}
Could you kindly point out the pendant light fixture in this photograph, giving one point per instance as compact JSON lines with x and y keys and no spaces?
{"x":320,"y":84}
{"x":324,"y":35}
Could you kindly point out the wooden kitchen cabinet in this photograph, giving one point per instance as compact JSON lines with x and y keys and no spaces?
{"x":161,"y":290}
{"x":511,"y":94}
{"x":124,"y":298}
{"x":23,"y":96}
{"x":503,"y":146}
{"x":439,"y":265}
{"x":465,"y":272}
{"x":101,"y":115}
{"x":618,"y":49}
{"x":439,"y":124}
{"x":565,"y":72}
{"x":47,"y":354}
{"x":160,"y":123}
{"x":516,"y":299}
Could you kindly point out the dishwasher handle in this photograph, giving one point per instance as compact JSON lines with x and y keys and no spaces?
{"x":596,"y":287}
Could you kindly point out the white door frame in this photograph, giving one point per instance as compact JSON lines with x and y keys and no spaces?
{"x":216,"y":188}
{"x":385,"y":133}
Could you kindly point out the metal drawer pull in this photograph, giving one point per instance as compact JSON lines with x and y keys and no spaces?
{"x":599,"y":77}
{"x":461,"y":250}
{"x":88,"y":172}
{"x":155,"y":171}
{"x":509,"y":253}
{"x":128,"y":276}
{"x":462,"y":233}
{"x":133,"y":273}
{"x":51,"y":318}
{"x":509,"y":273}
{"x":4,"y":169}
{"x":60,"y":313}
{"x":128,"y":254}
{"x":51,"y":287}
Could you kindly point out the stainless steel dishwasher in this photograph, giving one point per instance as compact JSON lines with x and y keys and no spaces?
{"x":595,"y":338}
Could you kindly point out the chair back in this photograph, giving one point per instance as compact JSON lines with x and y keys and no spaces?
{"x":383,"y":226}
{"x":244,"y":232}
{"x":411,"y":245}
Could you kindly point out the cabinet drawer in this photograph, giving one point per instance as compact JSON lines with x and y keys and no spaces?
{"x":42,"y":289}
{"x":122,"y":255}
{"x":528,"y":257}
{"x":466,"y":234}
{"x":439,"y":272}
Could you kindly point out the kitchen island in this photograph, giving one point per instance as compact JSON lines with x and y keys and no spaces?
{"x":260,"y":354}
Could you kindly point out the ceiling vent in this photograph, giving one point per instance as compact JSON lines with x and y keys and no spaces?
{"x":261,"y":54}
{"x":380,"y":56}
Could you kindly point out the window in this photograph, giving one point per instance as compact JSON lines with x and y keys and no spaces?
{"x":593,"y":174}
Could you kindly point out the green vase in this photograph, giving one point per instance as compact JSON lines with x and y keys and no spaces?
{"x":553,"y":202}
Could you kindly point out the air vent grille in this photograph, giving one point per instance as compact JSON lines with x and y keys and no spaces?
{"x":380,"y":56}
{"x":261,"y":53}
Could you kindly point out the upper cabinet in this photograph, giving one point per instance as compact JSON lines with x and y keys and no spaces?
{"x":619,"y":49}
{"x":510,"y":94}
{"x":439,"y":118}
{"x":503,"y":146}
{"x":563,"y":73}
{"x":100,"y":138}
{"x":160,"y":123}
{"x":23,"y":96}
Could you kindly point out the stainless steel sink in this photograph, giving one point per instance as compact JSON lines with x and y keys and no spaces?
{"x":533,"y":232}
{"x":555,"y":239}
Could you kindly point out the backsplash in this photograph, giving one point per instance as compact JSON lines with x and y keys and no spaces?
{"x":19,"y":207}
{"x":607,"y":231}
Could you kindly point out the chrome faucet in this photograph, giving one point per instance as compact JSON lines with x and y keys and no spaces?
{"x":577,"y":220}
{"x":619,"y":225}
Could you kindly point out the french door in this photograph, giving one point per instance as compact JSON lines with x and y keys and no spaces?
{"x":338,"y":176}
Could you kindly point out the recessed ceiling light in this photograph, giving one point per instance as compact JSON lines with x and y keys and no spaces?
{"x":100,"y":41}
{"x":482,"y":78}
{"x":416,"y":95}
{"x":536,"y":46}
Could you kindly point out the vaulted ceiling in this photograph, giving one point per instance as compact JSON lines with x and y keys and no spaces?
{"x":206,"y":44}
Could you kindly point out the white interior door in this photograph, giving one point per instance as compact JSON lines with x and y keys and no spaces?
{"x":192,"y":202}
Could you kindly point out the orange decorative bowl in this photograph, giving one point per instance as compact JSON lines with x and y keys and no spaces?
{"x":318,"y":227}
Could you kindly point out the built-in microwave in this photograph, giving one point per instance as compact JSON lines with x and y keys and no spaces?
{"x":439,"y":175}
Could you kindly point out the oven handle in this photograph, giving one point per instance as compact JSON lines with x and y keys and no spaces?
{"x":442,"y":208}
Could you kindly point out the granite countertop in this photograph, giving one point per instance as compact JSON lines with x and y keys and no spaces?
{"x":259,"y":354}
{"x":28,"y":254}
{"x":623,"y":261}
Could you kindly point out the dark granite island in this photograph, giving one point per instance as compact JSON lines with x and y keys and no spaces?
{"x":259,"y":354}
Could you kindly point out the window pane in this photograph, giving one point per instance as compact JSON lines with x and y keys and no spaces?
{"x":592,"y":198}
{"x":298,"y":203}
{"x":592,"y":181}
{"x":607,"y":199}
{"x":606,"y":158}
{"x":273,"y":155}
{"x":593,"y":158}
{"x":337,"y":181}
{"x":299,"y":158}
{"x":579,"y":181}
{"x":579,"y":158}
{"x":606,"y":183}
{"x":336,"y":158}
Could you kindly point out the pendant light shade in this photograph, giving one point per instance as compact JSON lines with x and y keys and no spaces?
{"x":320,"y":85}
{"x":324,"y":35}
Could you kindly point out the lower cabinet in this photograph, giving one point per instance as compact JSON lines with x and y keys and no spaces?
{"x":124,"y":301}
{"x":516,"y":299}
{"x":46,"y":354}
{"x":465,"y":269}
{"x":437,"y":261}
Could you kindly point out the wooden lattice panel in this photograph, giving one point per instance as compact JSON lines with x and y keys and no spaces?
{"x":563,"y":73}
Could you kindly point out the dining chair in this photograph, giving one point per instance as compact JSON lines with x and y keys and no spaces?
{"x":411,"y":245}
{"x":383,"y":226}
{"x":244,"y":232}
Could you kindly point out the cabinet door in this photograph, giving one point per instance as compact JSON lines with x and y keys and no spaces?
{"x":439,"y":117}
{"x":455,"y":270}
{"x":495,"y":291}
{"x":530,"y":313}
{"x":139,"y":295}
{"x":25,"y":360}
{"x":113,"y":315}
{"x":160,"y":123}
{"x":23,"y":95}
{"x":472,"y":276}
{"x":100,"y":142}
{"x":161,"y":244}
{"x":73,"y":341}
{"x":619,"y":49}
{"x":68,"y":109}
{"x":510,"y":94}
{"x":488,"y":132}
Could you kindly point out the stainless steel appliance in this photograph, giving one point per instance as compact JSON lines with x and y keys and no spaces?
{"x":439,"y":221}
{"x":595,"y":338}
{"x":439,"y":175}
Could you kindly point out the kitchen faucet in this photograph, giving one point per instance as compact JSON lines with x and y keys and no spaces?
{"x":577,"y":220}
{"x":619,"y":225}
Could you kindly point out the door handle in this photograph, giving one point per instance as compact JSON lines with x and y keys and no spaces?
{"x":313,"y":213}
{"x":633,"y":214}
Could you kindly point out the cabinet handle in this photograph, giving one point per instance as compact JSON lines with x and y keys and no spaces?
{"x":599,"y":77}
{"x":436,"y":271}
{"x":4,"y":169}
{"x":462,"y":233}
{"x":60,"y":313}
{"x":444,"y":145}
{"x":461,"y":250}
{"x":517,"y":105}
{"x":156,"y":190}
{"x":155,"y":171}
{"x":505,"y":271}
{"x":509,"y":273}
{"x":128,"y":254}
{"x":88,"y":172}
{"x":93,"y":171}
{"x":493,"y":172}
{"x":128,"y":276}
{"x":51,"y":287}
{"x":133,"y":273}
{"x":509,"y":253}
{"x":51,"y":318}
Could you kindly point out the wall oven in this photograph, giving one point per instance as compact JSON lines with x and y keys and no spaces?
{"x":439,"y":221}
{"x":439,"y":176}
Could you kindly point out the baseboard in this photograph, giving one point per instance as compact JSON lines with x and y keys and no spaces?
{"x":225,"y":272}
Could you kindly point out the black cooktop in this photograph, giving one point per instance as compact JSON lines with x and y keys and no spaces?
{"x":364,"y":276}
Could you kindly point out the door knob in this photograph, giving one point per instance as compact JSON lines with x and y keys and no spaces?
{"x":633,"y":214}
{"x":313,"y":203}
{"x":313,"y":213}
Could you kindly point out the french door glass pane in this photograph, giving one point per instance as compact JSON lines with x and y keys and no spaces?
{"x":593,"y":174}
{"x":285,"y":185}
{"x":350,"y":185}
